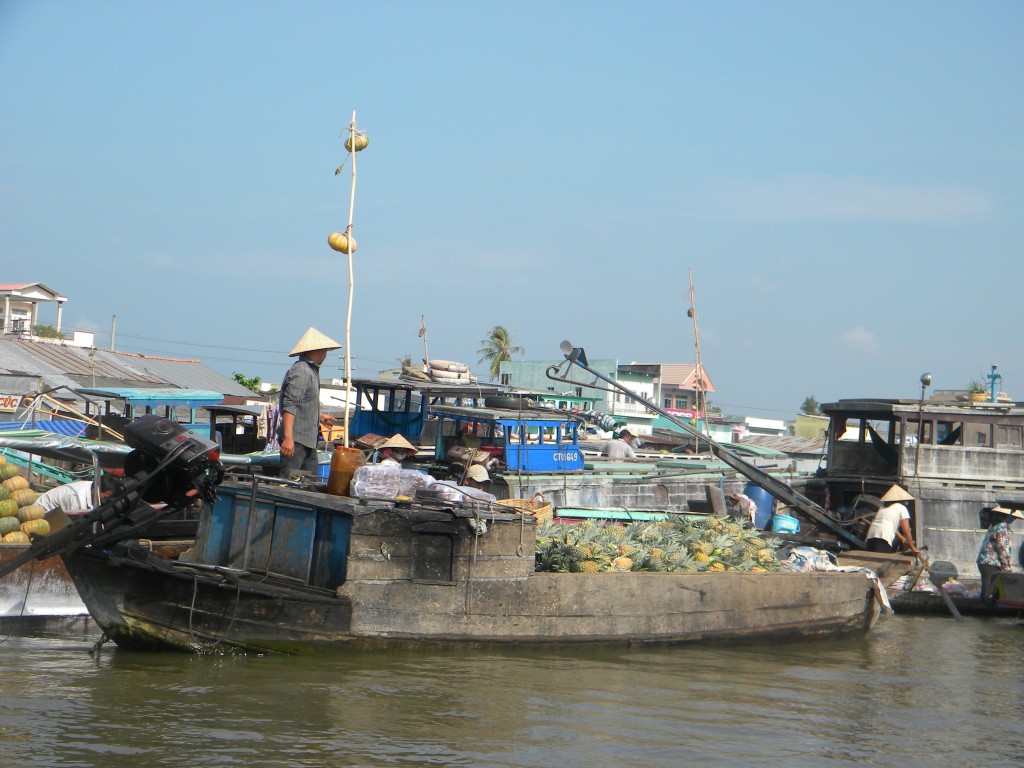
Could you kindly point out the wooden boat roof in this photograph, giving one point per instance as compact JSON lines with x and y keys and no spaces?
{"x":434,"y":388}
{"x":885,"y":408}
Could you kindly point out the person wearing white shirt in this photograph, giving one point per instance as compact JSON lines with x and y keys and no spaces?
{"x":77,"y":496}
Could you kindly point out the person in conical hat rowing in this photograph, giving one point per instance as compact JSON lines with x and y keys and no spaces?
{"x":892,"y":524}
{"x":299,"y":403}
{"x":394,"y":451}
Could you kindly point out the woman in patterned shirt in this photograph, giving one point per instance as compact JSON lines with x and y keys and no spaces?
{"x":995,"y":555}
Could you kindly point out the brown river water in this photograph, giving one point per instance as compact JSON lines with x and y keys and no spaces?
{"x":918,"y":691}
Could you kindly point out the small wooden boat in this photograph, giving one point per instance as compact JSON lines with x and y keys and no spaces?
{"x":1009,"y":600}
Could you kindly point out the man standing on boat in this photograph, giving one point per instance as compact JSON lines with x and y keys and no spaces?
{"x":299,"y":403}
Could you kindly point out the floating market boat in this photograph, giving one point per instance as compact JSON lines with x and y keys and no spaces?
{"x":280,"y":568}
{"x":283,"y":569}
{"x":958,"y":459}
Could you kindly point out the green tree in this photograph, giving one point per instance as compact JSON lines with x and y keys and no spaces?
{"x":47,"y":332}
{"x":810,"y":406}
{"x":249,"y":383}
{"x":498,"y":347}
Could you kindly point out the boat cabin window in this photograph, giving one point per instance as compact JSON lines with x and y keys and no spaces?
{"x":865,"y":445}
{"x":980,"y":435}
{"x":949,"y":433}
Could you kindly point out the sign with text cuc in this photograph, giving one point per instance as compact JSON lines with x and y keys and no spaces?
{"x":9,"y":403}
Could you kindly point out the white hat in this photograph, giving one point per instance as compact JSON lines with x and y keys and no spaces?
{"x":311,"y":341}
{"x":896,"y":494}
{"x":478,"y":473}
{"x":397,"y":442}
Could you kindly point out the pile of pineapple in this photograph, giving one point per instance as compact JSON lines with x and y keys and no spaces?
{"x":19,"y":515}
{"x":692,"y":544}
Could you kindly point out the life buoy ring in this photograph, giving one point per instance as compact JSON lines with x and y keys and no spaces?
{"x":449,"y":365}
{"x":448,"y":375}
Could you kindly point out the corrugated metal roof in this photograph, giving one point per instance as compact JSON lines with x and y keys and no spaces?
{"x":61,"y":365}
{"x":788,"y":444}
{"x":186,"y":374}
{"x":44,"y":358}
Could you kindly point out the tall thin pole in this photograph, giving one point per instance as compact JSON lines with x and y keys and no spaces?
{"x":351,"y":280}
{"x":702,"y":400}
{"x":423,"y":333}
{"x":113,"y":331}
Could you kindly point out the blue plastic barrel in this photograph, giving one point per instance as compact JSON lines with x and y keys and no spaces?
{"x":765,"y":505}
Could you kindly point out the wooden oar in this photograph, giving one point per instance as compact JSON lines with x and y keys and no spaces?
{"x":949,"y":604}
{"x":912,"y":582}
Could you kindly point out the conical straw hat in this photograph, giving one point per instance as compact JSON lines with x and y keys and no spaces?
{"x":398,"y":442}
{"x":313,"y":340}
{"x":1009,"y":512}
{"x":896,"y":494}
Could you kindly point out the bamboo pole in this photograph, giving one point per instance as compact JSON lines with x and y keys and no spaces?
{"x":351,"y":281}
{"x":423,"y":333}
{"x":702,"y":400}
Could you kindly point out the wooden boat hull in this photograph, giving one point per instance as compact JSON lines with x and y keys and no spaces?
{"x":42,"y":591}
{"x":149,"y":604}
{"x":279,"y":569}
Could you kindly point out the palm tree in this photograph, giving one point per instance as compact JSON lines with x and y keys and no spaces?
{"x":498,"y":347}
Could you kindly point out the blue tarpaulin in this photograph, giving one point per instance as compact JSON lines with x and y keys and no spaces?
{"x":68,"y":427}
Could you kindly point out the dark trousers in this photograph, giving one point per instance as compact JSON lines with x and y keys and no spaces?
{"x":988,"y":578}
{"x":304,"y":459}
{"x":879,"y":545}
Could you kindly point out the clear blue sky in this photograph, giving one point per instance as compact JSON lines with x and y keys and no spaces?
{"x":843,"y":178}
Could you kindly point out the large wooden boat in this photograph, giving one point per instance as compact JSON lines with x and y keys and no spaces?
{"x":283,"y":569}
{"x":958,"y":460}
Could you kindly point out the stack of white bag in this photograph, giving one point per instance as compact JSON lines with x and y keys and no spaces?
{"x":386,"y":481}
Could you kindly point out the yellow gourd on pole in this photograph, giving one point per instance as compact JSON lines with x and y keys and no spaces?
{"x":362,"y":142}
{"x":342,"y":242}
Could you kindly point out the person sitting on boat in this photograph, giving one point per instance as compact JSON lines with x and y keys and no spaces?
{"x":76,"y":496}
{"x":892,"y":524}
{"x":299,"y":404}
{"x":477,"y":477}
{"x":621,"y":446}
{"x":995,"y":557}
{"x":395,"y":450}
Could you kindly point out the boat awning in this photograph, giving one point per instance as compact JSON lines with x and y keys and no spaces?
{"x":155,"y":397}
{"x":69,"y":427}
{"x":234,"y":410}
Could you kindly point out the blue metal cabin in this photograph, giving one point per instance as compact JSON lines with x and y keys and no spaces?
{"x":390,"y":406}
{"x":139,"y":401}
{"x":537,"y":440}
{"x":298,"y":535}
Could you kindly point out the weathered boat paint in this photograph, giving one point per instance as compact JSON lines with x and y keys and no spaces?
{"x":970,"y":456}
{"x":296,"y":569}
